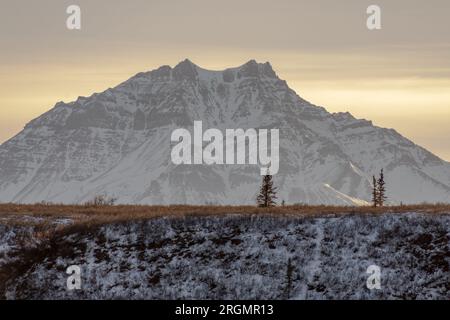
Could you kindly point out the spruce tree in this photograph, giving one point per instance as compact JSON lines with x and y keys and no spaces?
{"x":267,"y":193}
{"x":381,"y":189}
{"x":374,"y":192}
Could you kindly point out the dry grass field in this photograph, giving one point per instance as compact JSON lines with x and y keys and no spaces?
{"x":92,"y":215}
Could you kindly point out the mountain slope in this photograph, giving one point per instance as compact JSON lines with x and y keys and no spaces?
{"x":118,"y":143}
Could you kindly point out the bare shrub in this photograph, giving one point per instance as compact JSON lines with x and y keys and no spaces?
{"x":100,"y":201}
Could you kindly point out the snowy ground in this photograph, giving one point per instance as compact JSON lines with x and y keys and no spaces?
{"x":234,"y":257}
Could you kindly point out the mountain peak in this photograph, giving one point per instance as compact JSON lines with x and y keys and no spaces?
{"x":255,"y":69}
{"x":185,"y":70}
{"x":186,"y":62}
{"x":251,"y":62}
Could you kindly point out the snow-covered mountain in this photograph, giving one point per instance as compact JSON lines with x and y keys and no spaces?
{"x":118,"y":143}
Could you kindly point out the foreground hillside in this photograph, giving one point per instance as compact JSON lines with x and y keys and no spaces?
{"x":224,"y":252}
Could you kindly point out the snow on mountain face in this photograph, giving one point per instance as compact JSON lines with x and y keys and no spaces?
{"x":118,"y":143}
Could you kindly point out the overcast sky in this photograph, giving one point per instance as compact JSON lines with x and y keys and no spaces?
{"x":398,"y":76}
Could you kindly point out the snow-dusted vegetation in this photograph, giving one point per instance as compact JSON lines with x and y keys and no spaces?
{"x":234,"y":257}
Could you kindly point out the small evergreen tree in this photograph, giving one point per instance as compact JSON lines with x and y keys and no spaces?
{"x":381,"y":189}
{"x":267,"y":193}
{"x":374,"y":192}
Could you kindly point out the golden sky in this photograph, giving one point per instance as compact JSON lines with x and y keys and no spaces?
{"x":398,"y":77}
